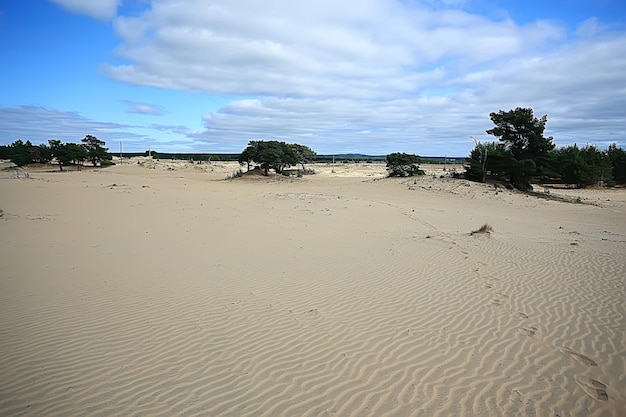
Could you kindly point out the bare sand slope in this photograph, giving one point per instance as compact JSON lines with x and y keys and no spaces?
{"x":170,"y":292}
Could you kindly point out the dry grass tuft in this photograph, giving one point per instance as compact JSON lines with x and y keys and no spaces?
{"x":485,"y":228}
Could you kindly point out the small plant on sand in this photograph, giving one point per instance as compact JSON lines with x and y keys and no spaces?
{"x":485,"y":228}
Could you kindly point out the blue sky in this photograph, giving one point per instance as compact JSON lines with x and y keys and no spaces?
{"x":368,"y":76}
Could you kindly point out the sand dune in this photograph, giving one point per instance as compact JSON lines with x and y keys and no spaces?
{"x":163,"y":289}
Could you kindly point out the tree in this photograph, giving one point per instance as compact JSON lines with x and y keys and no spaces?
{"x":489,"y":159}
{"x":617,"y":156}
{"x":56,"y":150}
{"x":304,"y":154}
{"x":41,"y":154}
{"x":74,"y":154}
{"x":271,"y":154}
{"x":522,"y":134}
{"x":19,"y":152}
{"x":68,"y":153}
{"x":403,"y":165}
{"x":599,"y":163}
{"x":23,"y":153}
{"x":247,"y":155}
{"x":572,"y":168}
{"x":96,"y":151}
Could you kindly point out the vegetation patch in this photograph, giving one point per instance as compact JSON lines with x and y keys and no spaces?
{"x":484,"y":229}
{"x":403,"y":165}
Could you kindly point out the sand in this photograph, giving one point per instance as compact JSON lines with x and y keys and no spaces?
{"x":162,"y":289}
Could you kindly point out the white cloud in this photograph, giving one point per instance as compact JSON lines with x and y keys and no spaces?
{"x":374,"y":48}
{"x":38,"y":124}
{"x":144,"y":108}
{"x":372,"y":75}
{"x":98,"y":9}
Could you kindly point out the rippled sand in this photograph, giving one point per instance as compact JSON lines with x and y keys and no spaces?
{"x":133,"y":291}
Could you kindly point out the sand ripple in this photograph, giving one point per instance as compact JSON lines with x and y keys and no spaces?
{"x":321,"y":312}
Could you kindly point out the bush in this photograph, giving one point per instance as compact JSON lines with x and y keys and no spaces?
{"x":485,"y":228}
{"x":403,"y":165}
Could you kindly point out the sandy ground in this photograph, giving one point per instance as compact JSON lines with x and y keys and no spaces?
{"x":161,"y":289}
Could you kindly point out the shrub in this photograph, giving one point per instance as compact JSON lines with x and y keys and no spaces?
{"x":403,"y":165}
{"x":485,"y":228}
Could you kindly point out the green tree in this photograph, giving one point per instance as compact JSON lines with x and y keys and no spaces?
{"x":522,"y":134}
{"x":600,"y":164}
{"x":5,"y":152}
{"x":403,"y":165}
{"x":19,"y":152}
{"x":74,"y":154}
{"x":247,"y":155}
{"x":270,"y":154}
{"x":304,"y":154}
{"x":617,"y":156}
{"x":96,"y":152}
{"x":584,"y":166}
{"x":68,"y":153}
{"x":56,"y":150}
{"x":571,"y":166}
{"x":40,"y":154}
{"x":489,"y":159}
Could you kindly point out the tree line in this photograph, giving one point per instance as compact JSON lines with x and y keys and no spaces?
{"x":523,"y":155}
{"x":91,"y":149}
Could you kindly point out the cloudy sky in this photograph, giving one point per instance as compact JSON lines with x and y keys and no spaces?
{"x":364,"y":76}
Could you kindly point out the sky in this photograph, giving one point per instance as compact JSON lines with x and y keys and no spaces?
{"x":350,"y":76}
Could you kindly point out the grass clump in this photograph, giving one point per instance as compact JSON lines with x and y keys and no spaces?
{"x":485,"y":228}
{"x":235,"y":174}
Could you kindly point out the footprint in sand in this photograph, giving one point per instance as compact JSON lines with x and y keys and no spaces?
{"x":528,"y":330}
{"x":593,"y":388}
{"x":579,"y":357}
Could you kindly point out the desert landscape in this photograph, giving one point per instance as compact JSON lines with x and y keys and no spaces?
{"x":159,"y":288}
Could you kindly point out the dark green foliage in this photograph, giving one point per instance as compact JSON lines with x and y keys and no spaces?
{"x":617,"y":156}
{"x":274,"y":155}
{"x":96,"y":151}
{"x":403,"y":165}
{"x":524,"y":154}
{"x":5,"y":152}
{"x":585,"y":166}
{"x":72,"y":154}
{"x":40,"y":154}
{"x":247,"y":155}
{"x":23,"y":153}
{"x":489,"y":159}
{"x":68,"y":153}
{"x":19,"y":152}
{"x":522,"y":134}
{"x":154,"y":154}
{"x":569,"y":164}
{"x":304,"y":154}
